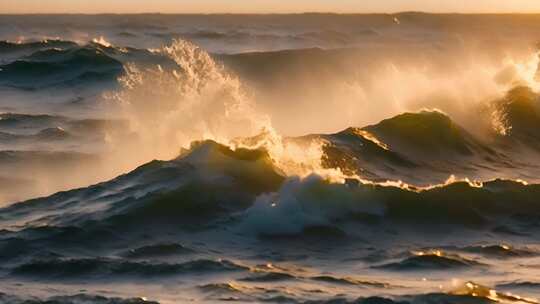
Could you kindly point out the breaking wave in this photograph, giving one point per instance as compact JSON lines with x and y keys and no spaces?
{"x":211,"y":181}
{"x":230,"y":178}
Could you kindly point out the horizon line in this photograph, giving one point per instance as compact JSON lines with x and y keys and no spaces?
{"x":275,"y":13}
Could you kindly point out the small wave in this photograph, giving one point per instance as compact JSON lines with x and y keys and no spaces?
{"x":127,"y":34}
{"x":472,"y":289}
{"x":333,"y":37}
{"x":79,"y":298}
{"x":165,"y":249}
{"x":191,"y":35}
{"x":17,"y":121}
{"x":16,"y":128}
{"x":8,"y":137}
{"x":350,"y":281}
{"x":23,"y":245}
{"x":431,"y":260}
{"x":52,"y":134}
{"x":520,"y":284}
{"x":221,"y":288}
{"x":45,"y":158}
{"x":501,"y":251}
{"x":99,"y":267}
{"x":235,"y":292}
{"x":269,"y":277}
{"x":8,"y":47}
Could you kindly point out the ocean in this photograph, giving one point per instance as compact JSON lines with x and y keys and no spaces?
{"x":307,"y":158}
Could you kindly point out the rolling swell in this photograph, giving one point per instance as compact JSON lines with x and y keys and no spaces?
{"x":427,"y":147}
{"x":57,"y":66}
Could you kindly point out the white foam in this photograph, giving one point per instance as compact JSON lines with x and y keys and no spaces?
{"x":305,"y":202}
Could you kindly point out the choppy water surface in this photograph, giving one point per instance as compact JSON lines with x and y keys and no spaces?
{"x":280,"y":159}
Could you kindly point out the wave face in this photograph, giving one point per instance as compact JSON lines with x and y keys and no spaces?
{"x":430,"y":141}
{"x":518,"y":112}
{"x":307,"y":158}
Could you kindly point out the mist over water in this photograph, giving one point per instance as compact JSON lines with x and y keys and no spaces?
{"x":290,"y":158}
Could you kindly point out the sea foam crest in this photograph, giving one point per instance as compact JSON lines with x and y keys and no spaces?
{"x":199,"y":100}
{"x":195,"y":100}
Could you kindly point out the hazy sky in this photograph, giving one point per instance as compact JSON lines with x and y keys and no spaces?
{"x":265,"y":6}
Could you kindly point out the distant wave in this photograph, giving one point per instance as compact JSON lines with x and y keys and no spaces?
{"x":91,"y":268}
{"x":7,"y":47}
{"x":80,"y":298}
{"x":334,"y":38}
{"x":18,"y":125}
{"x":520,"y":284}
{"x":48,"y":158}
{"x":58,"y":63}
{"x":15,"y":121}
{"x":60,"y":66}
{"x":500,"y":251}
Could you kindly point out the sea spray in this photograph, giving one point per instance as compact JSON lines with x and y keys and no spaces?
{"x":199,"y":100}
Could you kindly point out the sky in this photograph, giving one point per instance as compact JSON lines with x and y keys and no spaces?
{"x":267,"y":6}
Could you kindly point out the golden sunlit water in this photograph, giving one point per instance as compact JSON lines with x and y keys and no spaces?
{"x":311,"y":158}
